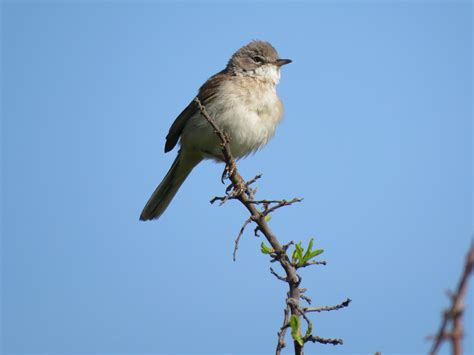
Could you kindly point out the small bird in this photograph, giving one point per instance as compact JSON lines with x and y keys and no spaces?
{"x":243,"y":102}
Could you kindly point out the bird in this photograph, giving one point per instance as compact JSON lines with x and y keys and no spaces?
{"x":244,"y":104}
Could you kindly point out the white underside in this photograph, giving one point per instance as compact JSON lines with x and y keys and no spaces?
{"x":246,"y":108}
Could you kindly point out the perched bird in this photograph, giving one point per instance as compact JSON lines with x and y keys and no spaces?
{"x":243,"y":102}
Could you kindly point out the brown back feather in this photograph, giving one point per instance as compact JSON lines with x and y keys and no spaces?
{"x":206,"y":93}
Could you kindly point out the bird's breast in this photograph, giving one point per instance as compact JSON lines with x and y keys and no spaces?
{"x":247,"y":109}
{"x":251,"y":115}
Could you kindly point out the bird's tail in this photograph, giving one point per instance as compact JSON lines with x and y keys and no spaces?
{"x":164,"y":193}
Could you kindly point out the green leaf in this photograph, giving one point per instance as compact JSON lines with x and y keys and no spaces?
{"x":315,"y":253}
{"x":309,"y":330}
{"x":268,"y":217}
{"x":294,"y":322}
{"x":297,"y":255}
{"x":265,"y":249}
{"x":306,"y":256}
{"x":294,"y":257}
{"x":299,"y":250}
{"x":310,"y":256}
{"x":295,"y":329}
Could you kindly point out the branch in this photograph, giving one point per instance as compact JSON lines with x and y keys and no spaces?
{"x":240,"y":194}
{"x":250,"y":182}
{"x":306,"y":298}
{"x":281,"y":278}
{"x":316,"y":339}
{"x":312,"y":262}
{"x":455,"y":313}
{"x":222,"y":199}
{"x":237,"y":240}
{"x":281,"y":333}
{"x":343,"y":304}
{"x":278,"y":204}
{"x":240,"y":190}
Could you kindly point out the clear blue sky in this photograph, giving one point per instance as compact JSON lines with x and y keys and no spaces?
{"x":376,"y":138}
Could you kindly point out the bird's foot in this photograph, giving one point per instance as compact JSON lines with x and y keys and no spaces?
{"x":228,"y":171}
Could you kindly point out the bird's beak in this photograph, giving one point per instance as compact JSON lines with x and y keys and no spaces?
{"x":281,"y":62}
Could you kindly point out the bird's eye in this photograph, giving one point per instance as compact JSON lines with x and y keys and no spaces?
{"x":258,"y":59}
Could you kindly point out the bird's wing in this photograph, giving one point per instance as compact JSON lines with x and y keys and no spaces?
{"x":206,"y":93}
{"x":178,"y":125}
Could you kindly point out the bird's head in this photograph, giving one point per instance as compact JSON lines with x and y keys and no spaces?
{"x":258,"y":59}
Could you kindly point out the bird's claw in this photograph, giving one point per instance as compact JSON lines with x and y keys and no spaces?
{"x":228,"y":171}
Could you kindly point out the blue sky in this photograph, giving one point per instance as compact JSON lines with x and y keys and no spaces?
{"x":376,"y":138}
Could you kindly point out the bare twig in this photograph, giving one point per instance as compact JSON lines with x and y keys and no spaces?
{"x":343,"y":304}
{"x":281,"y":333}
{"x":250,"y":182}
{"x":305,"y":317}
{"x":280,"y":204}
{"x":267,"y":202}
{"x":455,"y":313}
{"x":237,"y":240}
{"x":222,"y":199}
{"x":313,"y":262}
{"x":306,"y":298}
{"x":316,"y":339}
{"x":287,"y":245}
{"x":279,"y":277}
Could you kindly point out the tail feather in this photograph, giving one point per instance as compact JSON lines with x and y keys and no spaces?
{"x":166,"y":190}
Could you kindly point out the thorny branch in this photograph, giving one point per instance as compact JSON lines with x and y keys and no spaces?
{"x":240,"y":190}
{"x":313,"y":262}
{"x":316,"y":339}
{"x":278,"y":204}
{"x":343,"y":304}
{"x":237,"y":240}
{"x":281,"y":333}
{"x":279,"y":277}
{"x":455,"y":313}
